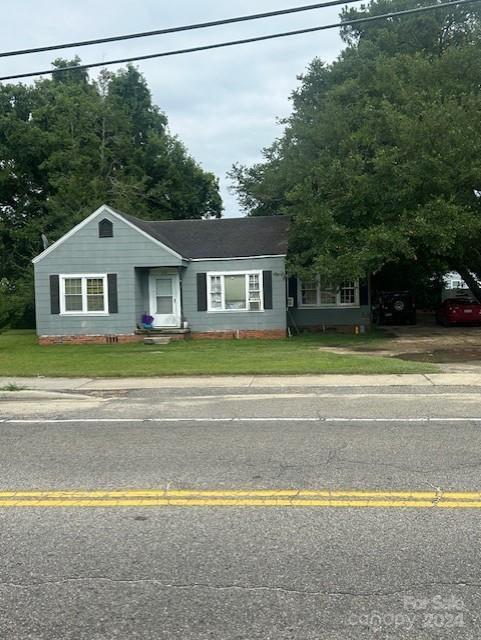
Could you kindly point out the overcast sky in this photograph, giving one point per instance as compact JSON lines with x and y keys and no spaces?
{"x":223,"y":104}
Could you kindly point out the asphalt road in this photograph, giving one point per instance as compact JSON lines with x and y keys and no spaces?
{"x":263,"y":564}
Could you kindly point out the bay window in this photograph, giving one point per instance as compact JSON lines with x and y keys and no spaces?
{"x":318,"y":293}
{"x":235,"y":291}
{"x":83,"y":294}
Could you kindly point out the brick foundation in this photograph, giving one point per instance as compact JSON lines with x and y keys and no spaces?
{"x":110,"y":339}
{"x":337,"y":328}
{"x":124,"y":339}
{"x":240,"y":334}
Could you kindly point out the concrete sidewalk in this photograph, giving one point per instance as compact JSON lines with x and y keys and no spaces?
{"x":328,"y":380}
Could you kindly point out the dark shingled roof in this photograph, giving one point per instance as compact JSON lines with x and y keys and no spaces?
{"x":224,"y":238}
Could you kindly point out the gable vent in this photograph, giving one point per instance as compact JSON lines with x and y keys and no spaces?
{"x":106,"y":229}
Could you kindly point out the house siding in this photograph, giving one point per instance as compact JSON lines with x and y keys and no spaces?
{"x":142,"y":302}
{"x":85,"y":252}
{"x":131,"y":256}
{"x":217,"y":321}
{"x":329,"y":317}
{"x":325,"y":318}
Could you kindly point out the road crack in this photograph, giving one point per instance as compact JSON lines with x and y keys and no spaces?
{"x":240,"y":587}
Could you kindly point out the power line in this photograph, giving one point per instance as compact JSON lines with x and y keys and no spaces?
{"x":188,"y":27}
{"x":231,"y":43}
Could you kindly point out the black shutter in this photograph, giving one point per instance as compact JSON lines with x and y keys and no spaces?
{"x":363,"y":292}
{"x":267,"y":286}
{"x":201,"y":292}
{"x":54,"y":295}
{"x":112,"y":292}
{"x":292,"y":289}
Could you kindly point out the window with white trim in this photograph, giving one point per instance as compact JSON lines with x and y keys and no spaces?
{"x":458,"y":284}
{"x":347,"y":293}
{"x":83,"y":294}
{"x":317,"y":293}
{"x":235,"y":291}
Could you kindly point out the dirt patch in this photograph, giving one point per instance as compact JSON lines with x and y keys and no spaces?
{"x":425,"y":343}
{"x":472,"y":355}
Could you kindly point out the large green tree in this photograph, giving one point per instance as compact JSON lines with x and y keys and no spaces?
{"x":68,"y":144}
{"x":380,"y":160}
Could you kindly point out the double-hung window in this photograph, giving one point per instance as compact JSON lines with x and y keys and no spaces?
{"x":318,"y":293}
{"x":458,"y":284}
{"x":235,"y":291}
{"x":348,"y":293}
{"x":83,"y":294}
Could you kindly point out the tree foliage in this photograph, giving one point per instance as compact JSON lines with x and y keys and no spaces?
{"x":69,"y":144}
{"x":380,"y":160}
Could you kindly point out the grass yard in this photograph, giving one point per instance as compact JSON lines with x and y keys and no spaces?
{"x":20,"y":355}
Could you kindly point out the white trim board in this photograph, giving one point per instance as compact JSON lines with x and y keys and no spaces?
{"x":274,"y":255}
{"x":102,"y":210}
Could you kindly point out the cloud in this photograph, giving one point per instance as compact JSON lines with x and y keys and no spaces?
{"x":223,"y":104}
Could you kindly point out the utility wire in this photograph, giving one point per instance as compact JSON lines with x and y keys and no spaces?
{"x":231,"y":43}
{"x":188,"y":27}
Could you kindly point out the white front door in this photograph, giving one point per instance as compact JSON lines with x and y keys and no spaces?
{"x":165,"y":299}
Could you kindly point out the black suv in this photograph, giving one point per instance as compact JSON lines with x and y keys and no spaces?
{"x":394,"y":307}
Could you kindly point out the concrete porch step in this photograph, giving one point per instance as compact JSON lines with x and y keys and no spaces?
{"x":163,"y":331}
{"x":157,"y":340}
{"x":163,"y":335}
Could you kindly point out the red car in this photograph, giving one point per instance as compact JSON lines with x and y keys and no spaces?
{"x":458,"y":311}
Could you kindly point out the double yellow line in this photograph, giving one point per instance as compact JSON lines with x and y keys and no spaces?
{"x":242,"y":498}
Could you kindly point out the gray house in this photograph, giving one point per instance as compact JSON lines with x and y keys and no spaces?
{"x":204,"y":278}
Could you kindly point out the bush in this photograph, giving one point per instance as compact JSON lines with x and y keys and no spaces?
{"x":17,"y":308}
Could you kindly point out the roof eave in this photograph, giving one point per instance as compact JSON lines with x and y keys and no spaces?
{"x":271,"y":255}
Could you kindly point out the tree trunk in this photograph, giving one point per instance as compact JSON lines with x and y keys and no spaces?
{"x":471,"y":281}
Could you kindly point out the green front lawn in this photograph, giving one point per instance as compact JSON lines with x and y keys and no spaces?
{"x":20,"y":355}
